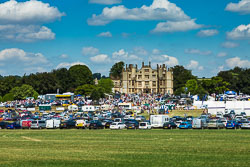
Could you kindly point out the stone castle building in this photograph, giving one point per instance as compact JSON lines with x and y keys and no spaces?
{"x":145,"y":80}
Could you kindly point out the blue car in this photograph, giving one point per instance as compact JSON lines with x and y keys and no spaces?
{"x":185,"y":125}
{"x":13,"y":125}
{"x":232,"y":125}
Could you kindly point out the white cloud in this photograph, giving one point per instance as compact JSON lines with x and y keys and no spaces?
{"x":105,"y":34}
{"x":23,"y":33}
{"x":236,"y":61}
{"x":176,"y":26}
{"x":240,"y":32}
{"x":194,"y":65}
{"x":64,"y":56}
{"x":105,"y":2}
{"x":17,"y":62}
{"x":140,"y":51}
{"x":102,"y":58}
{"x":159,"y":10}
{"x":242,"y":7}
{"x":222,"y":54}
{"x":29,"y":12}
{"x":89,"y":51}
{"x":122,"y":55}
{"x":207,"y":33}
{"x":156,"y":51}
{"x":229,"y":44}
{"x":164,"y":59}
{"x":22,"y":21}
{"x":197,"y":51}
{"x":68,"y":65}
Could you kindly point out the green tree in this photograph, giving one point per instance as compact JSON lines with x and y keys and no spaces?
{"x":116,"y":70}
{"x":86,"y":89}
{"x":1,"y":99}
{"x":8,"y":97}
{"x":21,"y":93}
{"x":107,"y":84}
{"x":181,"y":76}
{"x":95,"y":95}
{"x":97,"y":75}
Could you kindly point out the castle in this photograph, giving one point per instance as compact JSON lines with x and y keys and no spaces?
{"x":145,"y":80}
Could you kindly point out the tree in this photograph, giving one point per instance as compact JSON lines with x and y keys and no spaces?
{"x":107,"y":84}
{"x":181,"y":76}
{"x":80,"y":75}
{"x":8,"y":97}
{"x":95,"y":95}
{"x":116,"y":70}
{"x":21,"y":93}
{"x":86,"y":89}
{"x":97,"y":76}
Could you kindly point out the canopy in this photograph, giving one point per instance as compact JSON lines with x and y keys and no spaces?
{"x":230,"y":93}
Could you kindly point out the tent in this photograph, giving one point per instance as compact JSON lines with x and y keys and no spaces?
{"x":230,"y":92}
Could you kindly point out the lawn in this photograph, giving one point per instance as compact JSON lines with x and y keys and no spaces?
{"x":179,"y":148}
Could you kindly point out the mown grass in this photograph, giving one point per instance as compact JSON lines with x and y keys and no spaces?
{"x":77,"y":148}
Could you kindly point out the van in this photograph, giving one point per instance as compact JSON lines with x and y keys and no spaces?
{"x":157,"y":121}
{"x":26,"y":124}
{"x":199,"y":123}
{"x":38,"y":124}
{"x":53,"y":123}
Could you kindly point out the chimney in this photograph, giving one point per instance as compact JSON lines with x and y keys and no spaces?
{"x":142,"y":64}
{"x":157,"y":66}
{"x":136,"y":66}
{"x":126,"y":67}
{"x":163,"y":66}
{"x":149,"y":64}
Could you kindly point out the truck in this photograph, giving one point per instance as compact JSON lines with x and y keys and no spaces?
{"x":199,"y":123}
{"x":53,"y":123}
{"x":157,"y":121}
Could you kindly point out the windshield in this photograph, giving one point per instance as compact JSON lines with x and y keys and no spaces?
{"x":142,"y":124}
{"x":183,"y":123}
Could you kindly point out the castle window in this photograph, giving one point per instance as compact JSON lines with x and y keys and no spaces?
{"x":129,"y":76}
{"x":154,"y":83}
{"x":146,"y":76}
{"x":139,"y":77}
{"x":146,"y":70}
{"x":146,"y":82}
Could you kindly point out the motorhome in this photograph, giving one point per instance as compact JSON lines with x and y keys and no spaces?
{"x":157,"y":121}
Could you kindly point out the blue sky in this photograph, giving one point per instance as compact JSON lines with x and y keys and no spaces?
{"x":205,"y":36}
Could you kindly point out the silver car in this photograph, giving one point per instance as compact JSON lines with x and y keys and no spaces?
{"x":245,"y":125}
{"x":215,"y":124}
{"x":38,"y":124}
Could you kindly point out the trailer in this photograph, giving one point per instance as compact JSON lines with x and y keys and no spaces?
{"x":199,"y":123}
{"x":53,"y":123}
{"x":157,"y":121}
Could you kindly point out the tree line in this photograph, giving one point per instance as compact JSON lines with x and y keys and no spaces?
{"x":78,"y":79}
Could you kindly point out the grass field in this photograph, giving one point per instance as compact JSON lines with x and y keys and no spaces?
{"x":77,"y":148}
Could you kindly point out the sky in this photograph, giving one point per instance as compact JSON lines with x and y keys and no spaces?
{"x":205,"y":36}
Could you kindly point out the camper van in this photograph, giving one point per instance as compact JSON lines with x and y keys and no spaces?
{"x":88,"y":108}
{"x":53,"y":123}
{"x":157,"y":121}
{"x":125,"y":106}
{"x":199,"y":123}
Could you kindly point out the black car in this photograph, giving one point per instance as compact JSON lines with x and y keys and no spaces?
{"x":107,"y":123}
{"x":132,"y":124}
{"x":67,"y":124}
{"x":96,"y":124}
{"x":169,"y":125}
{"x":3,"y":125}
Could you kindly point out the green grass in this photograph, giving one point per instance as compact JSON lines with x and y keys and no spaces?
{"x":77,"y":148}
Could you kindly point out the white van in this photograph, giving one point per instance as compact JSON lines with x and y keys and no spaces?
{"x":157,"y":121}
{"x":53,"y":123}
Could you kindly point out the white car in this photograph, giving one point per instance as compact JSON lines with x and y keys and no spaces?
{"x":245,"y":125}
{"x":117,"y":125}
{"x":145,"y":125}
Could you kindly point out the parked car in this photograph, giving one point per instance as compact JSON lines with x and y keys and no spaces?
{"x":80,"y":123}
{"x":215,"y":124}
{"x":67,"y":124}
{"x":106,"y":123}
{"x":117,"y":125}
{"x":96,"y":124}
{"x":38,"y":124}
{"x":245,"y":125}
{"x":140,"y":118}
{"x":185,"y":125}
{"x":26,"y":124}
{"x":13,"y":125}
{"x":145,"y":125}
{"x":169,"y":125}
{"x":232,"y":125}
{"x":3,"y":125}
